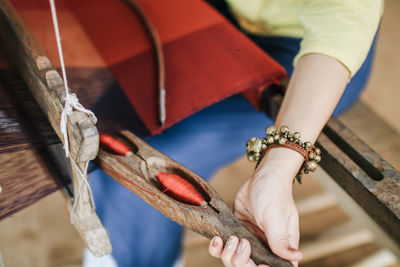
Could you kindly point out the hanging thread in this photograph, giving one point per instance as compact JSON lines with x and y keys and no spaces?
{"x":71,"y":103}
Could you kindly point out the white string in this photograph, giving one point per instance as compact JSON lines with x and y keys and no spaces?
{"x":83,"y":181}
{"x":71,"y":103}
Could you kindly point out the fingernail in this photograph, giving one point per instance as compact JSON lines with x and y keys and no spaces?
{"x":230,"y":243}
{"x":242,"y":245}
{"x":214,"y":242}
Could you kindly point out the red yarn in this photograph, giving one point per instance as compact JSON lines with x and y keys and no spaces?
{"x":179,"y":189}
{"x":114,"y":145}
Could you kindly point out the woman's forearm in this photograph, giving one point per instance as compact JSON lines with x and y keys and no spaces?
{"x":314,"y":90}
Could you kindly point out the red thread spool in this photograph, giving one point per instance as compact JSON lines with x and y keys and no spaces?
{"x":180,"y":189}
{"x":114,"y":145}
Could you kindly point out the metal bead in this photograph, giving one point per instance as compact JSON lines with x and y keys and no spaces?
{"x":253,"y":139}
{"x":264,"y":146}
{"x":311,"y":155}
{"x":317,"y":158}
{"x":311,"y":165}
{"x":270,"y":139}
{"x":284,"y":129}
{"x":297,"y":135}
{"x":301,"y":143}
{"x":306,"y":171}
{"x":270,"y":130}
{"x":251,"y":157}
{"x":291,"y":139}
{"x":276,"y":137}
{"x":307,"y":145}
{"x":282,"y":140}
{"x":317,"y":150}
{"x":255,"y":145}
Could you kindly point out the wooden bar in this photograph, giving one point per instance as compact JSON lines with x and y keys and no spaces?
{"x":375,"y":186}
{"x":48,"y":89}
{"x":24,"y":178}
{"x":45,"y":83}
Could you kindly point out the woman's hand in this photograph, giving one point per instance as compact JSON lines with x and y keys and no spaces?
{"x":265,"y":202}
{"x":265,"y":205}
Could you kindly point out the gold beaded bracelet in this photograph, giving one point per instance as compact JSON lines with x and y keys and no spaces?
{"x":256,"y":148}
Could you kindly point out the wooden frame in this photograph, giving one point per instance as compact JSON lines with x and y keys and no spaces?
{"x":47,"y":88}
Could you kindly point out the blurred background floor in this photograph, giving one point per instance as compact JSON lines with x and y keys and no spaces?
{"x":335,"y":231}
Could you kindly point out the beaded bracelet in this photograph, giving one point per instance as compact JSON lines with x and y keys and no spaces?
{"x":256,"y":148}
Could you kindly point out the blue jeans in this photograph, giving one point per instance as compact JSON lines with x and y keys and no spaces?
{"x":204,"y":142}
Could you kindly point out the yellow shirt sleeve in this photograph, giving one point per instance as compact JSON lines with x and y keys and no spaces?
{"x":342,"y":29}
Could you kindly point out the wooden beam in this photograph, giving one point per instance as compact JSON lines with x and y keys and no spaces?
{"x":48,"y":90}
{"x":24,"y":179}
{"x":44,"y":82}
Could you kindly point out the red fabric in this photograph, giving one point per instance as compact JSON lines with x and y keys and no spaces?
{"x":207,"y":59}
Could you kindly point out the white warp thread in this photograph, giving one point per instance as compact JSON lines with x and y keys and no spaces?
{"x":71,"y":103}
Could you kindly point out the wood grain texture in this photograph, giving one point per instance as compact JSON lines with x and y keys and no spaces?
{"x":340,"y":250}
{"x":377,"y":198}
{"x":85,"y":219}
{"x":137,"y":173}
{"x":22,"y":123}
{"x":24,"y":179}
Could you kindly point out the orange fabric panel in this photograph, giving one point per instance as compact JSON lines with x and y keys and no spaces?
{"x":206,"y":58}
{"x":78,"y":48}
{"x":119,"y":34}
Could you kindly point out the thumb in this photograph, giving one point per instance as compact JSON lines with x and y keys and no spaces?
{"x":276,"y":231}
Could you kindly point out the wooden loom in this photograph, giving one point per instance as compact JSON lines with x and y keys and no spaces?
{"x":370,"y":180}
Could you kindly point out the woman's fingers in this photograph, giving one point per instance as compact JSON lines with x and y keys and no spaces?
{"x":229,"y":249}
{"x":215,"y":247}
{"x":276,"y":231}
{"x":242,"y":255}
{"x":235,"y":253}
